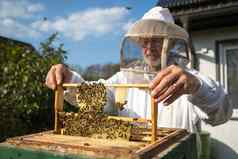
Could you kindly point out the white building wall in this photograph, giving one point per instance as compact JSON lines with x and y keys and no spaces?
{"x":225,"y":137}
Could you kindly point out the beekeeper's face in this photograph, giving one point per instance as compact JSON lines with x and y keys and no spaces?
{"x":152,"y":48}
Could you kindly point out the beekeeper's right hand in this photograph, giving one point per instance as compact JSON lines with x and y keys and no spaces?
{"x":57,"y":75}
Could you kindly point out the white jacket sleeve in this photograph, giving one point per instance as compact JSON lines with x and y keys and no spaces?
{"x":213,"y":102}
{"x":69,"y":94}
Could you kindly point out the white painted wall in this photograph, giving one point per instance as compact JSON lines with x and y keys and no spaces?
{"x":225,"y":137}
{"x":204,"y":43}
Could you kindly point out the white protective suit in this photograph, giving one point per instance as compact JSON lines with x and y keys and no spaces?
{"x":210,"y":103}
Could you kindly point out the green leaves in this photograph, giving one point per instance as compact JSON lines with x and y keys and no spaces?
{"x":24,"y":100}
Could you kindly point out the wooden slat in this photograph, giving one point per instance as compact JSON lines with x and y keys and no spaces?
{"x":157,"y":147}
{"x":139,"y":120}
{"x":154,"y":115}
{"x":164,"y":56}
{"x":58,"y":105}
{"x":145,"y":86}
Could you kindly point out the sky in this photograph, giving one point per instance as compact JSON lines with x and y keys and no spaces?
{"x":91,"y":30}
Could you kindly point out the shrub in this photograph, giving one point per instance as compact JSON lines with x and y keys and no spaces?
{"x":25,"y":102}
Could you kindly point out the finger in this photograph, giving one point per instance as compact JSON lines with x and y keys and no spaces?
{"x":163,"y":91}
{"x":177,"y":86}
{"x":172,"y":98}
{"x":164,"y":83}
{"x":50,"y":79}
{"x":159,"y":77}
{"x":157,"y":96}
{"x":59,"y":75}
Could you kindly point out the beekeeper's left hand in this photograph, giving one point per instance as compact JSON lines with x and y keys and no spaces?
{"x":172,"y":82}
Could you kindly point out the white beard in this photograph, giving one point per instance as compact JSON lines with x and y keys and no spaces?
{"x":153,"y":63}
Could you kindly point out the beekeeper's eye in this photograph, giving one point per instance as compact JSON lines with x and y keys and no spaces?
{"x":148,"y":43}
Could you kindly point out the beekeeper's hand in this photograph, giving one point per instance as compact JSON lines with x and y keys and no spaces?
{"x":58,"y":74}
{"x":172,"y":82}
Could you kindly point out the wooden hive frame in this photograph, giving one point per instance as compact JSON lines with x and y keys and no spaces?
{"x":59,"y":102}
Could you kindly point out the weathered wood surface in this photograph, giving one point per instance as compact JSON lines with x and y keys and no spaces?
{"x":99,"y":148}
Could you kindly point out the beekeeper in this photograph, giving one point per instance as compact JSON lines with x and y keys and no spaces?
{"x":155,"y":50}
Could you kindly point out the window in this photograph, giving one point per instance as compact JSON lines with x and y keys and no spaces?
{"x":228,"y":55}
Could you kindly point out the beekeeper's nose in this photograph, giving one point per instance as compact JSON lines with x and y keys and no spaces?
{"x":150,"y":47}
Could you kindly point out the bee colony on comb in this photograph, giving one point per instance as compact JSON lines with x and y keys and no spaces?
{"x":91,"y":121}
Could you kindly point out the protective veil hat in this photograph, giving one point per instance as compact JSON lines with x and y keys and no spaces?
{"x":159,"y":13}
{"x":165,"y":42}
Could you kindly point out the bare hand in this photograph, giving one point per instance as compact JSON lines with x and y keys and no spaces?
{"x":172,"y":82}
{"x":58,"y":74}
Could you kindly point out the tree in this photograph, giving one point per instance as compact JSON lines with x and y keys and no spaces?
{"x":109,"y":69}
{"x":91,"y":73}
{"x":97,"y":71}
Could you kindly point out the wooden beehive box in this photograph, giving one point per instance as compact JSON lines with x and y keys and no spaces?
{"x":84,"y":147}
{"x":146,"y":142}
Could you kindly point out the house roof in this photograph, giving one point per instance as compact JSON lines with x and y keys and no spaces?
{"x":202,"y":14}
{"x":190,"y":3}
